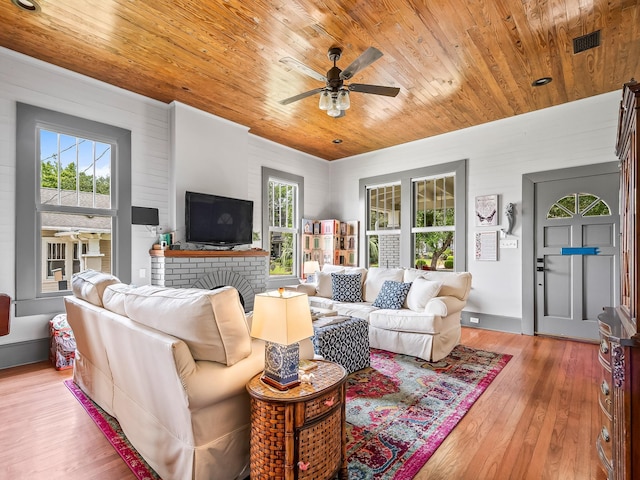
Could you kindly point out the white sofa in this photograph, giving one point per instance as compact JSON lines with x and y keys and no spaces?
{"x":427,"y":324}
{"x":171,"y":365}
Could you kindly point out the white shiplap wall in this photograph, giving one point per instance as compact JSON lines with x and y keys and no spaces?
{"x":174,"y":147}
{"x":498,"y":153}
{"x":317,"y":187}
{"x":23,"y":79}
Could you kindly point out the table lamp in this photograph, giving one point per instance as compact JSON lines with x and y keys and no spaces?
{"x":281,"y":318}
{"x":309,"y":269}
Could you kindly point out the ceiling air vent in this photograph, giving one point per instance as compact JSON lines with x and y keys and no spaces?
{"x":585,"y":42}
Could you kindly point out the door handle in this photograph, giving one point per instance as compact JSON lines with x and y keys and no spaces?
{"x":540,"y":269}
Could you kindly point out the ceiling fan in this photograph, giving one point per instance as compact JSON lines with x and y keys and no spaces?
{"x":334,"y":96}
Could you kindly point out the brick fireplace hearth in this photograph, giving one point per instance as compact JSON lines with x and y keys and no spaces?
{"x":247,"y":271}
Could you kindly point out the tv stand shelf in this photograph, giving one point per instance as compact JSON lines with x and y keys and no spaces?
{"x":208,"y":253}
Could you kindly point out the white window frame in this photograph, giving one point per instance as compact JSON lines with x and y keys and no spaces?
{"x":268,"y":175}
{"x":30,"y":299}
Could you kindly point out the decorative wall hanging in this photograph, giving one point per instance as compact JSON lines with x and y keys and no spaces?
{"x":487,"y":210}
{"x":487,"y":246}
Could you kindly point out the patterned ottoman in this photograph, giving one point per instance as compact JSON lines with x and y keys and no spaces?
{"x":63,"y":343}
{"x":346,"y":343}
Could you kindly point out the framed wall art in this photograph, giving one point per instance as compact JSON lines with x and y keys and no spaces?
{"x":486,"y":210}
{"x":487,"y":246}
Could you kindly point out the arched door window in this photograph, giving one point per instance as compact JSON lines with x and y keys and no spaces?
{"x":583,"y":204}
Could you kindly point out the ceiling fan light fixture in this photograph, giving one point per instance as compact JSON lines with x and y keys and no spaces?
{"x":334,"y":111}
{"x":343,"y":100}
{"x":325,"y":101}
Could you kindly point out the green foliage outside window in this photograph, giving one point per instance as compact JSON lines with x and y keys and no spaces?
{"x":282,"y":222}
{"x":68,"y":175}
{"x":433,"y":248}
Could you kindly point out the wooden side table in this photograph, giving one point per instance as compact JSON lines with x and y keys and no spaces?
{"x":300,"y":433}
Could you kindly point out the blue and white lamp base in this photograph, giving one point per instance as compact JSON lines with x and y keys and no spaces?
{"x":281,"y":365}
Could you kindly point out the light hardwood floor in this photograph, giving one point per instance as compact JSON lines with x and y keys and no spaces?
{"x":537,"y":420}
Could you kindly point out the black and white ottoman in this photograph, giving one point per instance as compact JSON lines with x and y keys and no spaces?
{"x":345,"y":343}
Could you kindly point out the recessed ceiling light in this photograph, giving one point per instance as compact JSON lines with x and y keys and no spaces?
{"x":29,"y":5}
{"x":541,"y":81}
{"x":337,"y":140}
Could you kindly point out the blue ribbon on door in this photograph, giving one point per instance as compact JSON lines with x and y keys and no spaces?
{"x":580,"y":251}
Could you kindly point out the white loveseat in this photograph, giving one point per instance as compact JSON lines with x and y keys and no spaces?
{"x":171,"y":365}
{"x":427,"y":324}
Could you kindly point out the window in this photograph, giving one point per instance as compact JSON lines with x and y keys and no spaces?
{"x":417,"y":218}
{"x":282,"y":214}
{"x":584,"y":204}
{"x":76,"y":215}
{"x":383,"y":224}
{"x":433,"y":225}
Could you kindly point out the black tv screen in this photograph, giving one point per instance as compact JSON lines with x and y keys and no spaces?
{"x":216,"y":220}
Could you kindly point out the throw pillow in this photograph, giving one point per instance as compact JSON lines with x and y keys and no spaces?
{"x":376,"y":276}
{"x":324,"y":284}
{"x":392,"y":295}
{"x":421,"y":291}
{"x":346,"y":287}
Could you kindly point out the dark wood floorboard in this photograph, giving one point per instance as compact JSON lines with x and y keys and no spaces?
{"x":537,"y":420}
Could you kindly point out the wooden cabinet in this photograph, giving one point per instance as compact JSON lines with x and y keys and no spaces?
{"x":618,"y":443}
{"x":619,"y":398}
{"x":300,"y":433}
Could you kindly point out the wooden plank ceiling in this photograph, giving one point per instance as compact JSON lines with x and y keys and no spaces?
{"x":458,"y":63}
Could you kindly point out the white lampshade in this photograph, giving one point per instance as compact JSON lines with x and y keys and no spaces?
{"x":281,"y":317}
{"x":310,"y":267}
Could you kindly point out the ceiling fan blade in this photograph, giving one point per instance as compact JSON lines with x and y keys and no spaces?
{"x":367,"y":57}
{"x":300,"y":96}
{"x":301,"y":67}
{"x":375,"y":89}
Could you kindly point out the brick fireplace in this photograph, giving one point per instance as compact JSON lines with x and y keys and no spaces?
{"x":247,"y":271}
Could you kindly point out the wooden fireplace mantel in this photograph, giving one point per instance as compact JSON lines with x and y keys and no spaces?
{"x":208,"y":253}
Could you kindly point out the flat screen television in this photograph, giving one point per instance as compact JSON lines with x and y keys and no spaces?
{"x":216,"y":220}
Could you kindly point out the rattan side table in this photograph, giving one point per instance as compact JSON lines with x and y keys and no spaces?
{"x":300,"y":433}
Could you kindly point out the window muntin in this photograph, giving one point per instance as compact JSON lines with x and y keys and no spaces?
{"x":283,"y":227}
{"x":30,"y":296}
{"x":583,"y":204}
{"x":433,"y":222}
{"x":384,"y":207}
{"x":74,"y":171}
{"x":384,"y":204}
{"x":75,"y":194}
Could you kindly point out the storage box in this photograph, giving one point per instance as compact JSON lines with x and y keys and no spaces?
{"x":62,"y":343}
{"x":346,"y":343}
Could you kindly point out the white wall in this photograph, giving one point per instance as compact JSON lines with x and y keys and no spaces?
{"x":498,"y":153}
{"x":317,"y":186}
{"x":174,"y":148}
{"x":213,"y":155}
{"x":23,"y":79}
{"x":209,"y":155}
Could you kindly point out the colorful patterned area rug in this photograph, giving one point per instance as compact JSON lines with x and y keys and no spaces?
{"x":398,"y":411}
{"x":402,"y":408}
